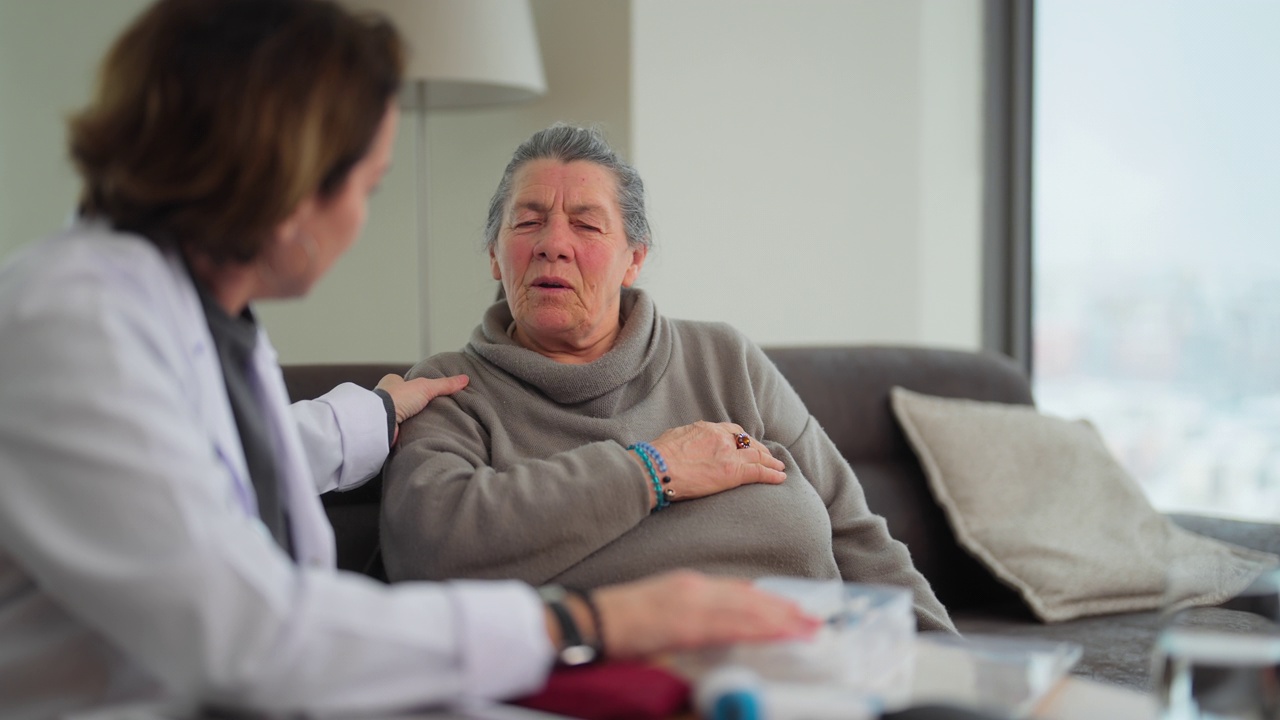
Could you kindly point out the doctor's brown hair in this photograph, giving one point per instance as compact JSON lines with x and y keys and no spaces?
{"x":214,"y":119}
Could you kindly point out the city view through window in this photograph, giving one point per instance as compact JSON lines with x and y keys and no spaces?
{"x":1156,"y":241}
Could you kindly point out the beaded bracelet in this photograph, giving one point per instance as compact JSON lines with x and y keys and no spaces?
{"x":657,"y":458}
{"x":653,"y":453}
{"x":653,"y":476}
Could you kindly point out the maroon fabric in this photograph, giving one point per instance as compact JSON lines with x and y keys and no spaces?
{"x":612,"y":691}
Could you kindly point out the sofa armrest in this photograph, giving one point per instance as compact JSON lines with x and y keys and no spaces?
{"x":1262,"y":536}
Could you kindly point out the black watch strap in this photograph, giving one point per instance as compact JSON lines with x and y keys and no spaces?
{"x":574,"y":649}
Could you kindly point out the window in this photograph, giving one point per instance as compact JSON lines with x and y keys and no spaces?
{"x":1155,"y":231}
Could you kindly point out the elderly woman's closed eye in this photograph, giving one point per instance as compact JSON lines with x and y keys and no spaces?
{"x":600,"y":441}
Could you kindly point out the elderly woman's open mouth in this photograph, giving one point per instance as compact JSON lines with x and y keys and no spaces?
{"x":551,"y":283}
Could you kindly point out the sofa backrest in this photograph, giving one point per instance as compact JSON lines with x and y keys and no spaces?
{"x":847,"y":389}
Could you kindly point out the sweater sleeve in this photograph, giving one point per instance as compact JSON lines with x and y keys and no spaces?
{"x":447,"y":512}
{"x":864,"y":550}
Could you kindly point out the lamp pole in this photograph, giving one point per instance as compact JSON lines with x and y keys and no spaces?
{"x":420,"y":216}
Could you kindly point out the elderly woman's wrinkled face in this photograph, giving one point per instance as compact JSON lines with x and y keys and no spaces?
{"x":563,"y":259}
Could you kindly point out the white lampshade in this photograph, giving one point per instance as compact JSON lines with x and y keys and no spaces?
{"x":467,"y":52}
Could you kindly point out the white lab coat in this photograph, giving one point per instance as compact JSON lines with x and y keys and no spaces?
{"x":132,"y":562}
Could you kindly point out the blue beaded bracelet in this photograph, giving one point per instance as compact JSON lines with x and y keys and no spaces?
{"x":653,"y":476}
{"x":653,"y":453}
{"x":658,"y":460}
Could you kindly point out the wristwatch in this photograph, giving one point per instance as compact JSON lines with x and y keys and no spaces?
{"x":575,"y":650}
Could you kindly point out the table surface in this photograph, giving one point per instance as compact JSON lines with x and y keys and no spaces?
{"x":1031,"y":675}
{"x":1080,"y":699}
{"x":1072,"y":699}
{"x":943,"y":675}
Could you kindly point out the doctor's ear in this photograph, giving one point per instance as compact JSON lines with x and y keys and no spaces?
{"x":290,"y":228}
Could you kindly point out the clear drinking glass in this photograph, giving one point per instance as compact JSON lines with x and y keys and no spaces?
{"x":1220,"y":662}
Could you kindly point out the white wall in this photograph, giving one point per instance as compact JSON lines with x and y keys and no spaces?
{"x":950,"y":174}
{"x":859,"y":223}
{"x":47,"y":67}
{"x":812,"y":165}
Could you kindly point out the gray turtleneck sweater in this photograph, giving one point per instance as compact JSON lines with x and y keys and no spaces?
{"x":525,"y":473}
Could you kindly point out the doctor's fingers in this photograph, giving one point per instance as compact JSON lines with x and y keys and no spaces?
{"x":411,"y":396}
{"x":684,"y":609}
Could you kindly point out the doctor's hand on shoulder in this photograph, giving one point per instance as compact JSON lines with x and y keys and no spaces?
{"x":411,"y":396}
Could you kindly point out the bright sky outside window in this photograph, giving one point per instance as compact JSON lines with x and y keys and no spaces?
{"x":1156,"y":231}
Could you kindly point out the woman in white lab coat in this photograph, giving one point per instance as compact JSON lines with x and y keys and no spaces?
{"x":160,"y":531}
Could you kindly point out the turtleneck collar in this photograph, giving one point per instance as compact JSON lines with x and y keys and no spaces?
{"x":642,"y":344}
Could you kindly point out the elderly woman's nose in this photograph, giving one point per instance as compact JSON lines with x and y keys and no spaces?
{"x":555,"y":240}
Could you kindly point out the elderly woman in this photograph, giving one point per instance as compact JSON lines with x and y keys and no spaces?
{"x":540,"y":469}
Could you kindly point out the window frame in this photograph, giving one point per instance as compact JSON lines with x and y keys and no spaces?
{"x":1008,"y":65}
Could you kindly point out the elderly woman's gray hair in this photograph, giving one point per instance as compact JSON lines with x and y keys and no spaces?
{"x":569,"y":143}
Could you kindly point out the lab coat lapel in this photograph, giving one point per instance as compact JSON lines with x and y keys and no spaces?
{"x":208,"y":386}
{"x":313,"y":542}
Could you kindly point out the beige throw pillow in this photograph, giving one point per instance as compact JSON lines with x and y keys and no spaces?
{"x":1041,"y":502}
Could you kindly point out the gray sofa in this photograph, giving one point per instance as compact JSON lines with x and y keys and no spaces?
{"x":847,"y":390}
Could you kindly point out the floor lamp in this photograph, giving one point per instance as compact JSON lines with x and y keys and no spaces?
{"x":462,"y":53}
